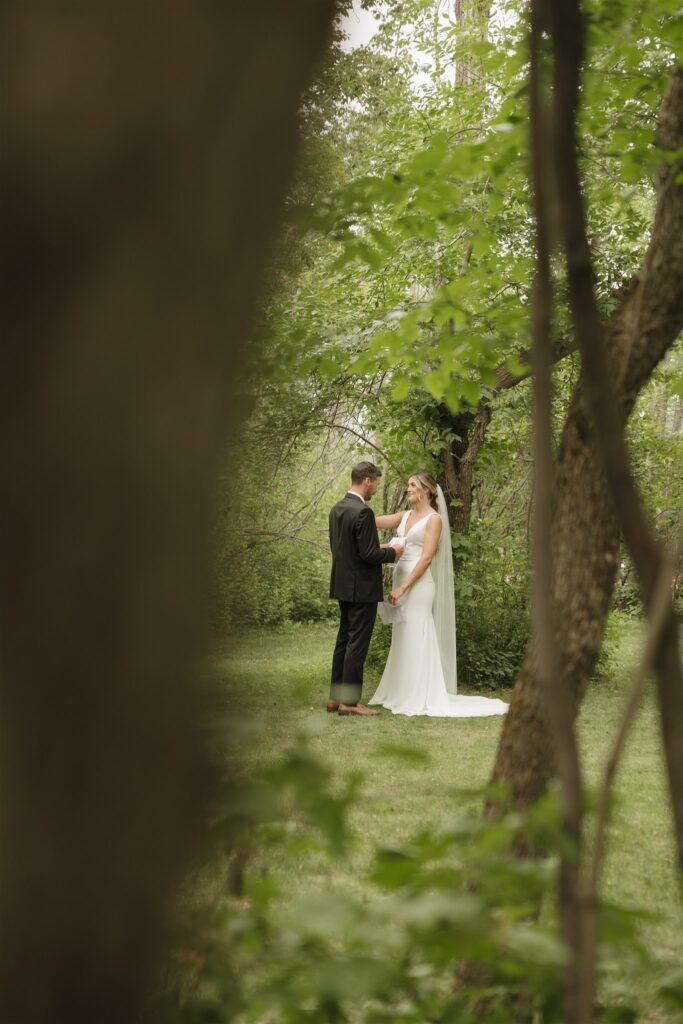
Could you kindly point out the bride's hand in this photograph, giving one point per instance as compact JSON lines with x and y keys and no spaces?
{"x":396,"y":594}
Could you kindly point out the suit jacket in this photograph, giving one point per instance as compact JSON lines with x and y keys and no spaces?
{"x":357,"y":558}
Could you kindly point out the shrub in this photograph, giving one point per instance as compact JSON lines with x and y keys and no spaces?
{"x":449,"y":897}
{"x":287,"y":583}
{"x":493,"y":630}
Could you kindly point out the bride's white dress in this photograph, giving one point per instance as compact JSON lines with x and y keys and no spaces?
{"x":413,"y":680}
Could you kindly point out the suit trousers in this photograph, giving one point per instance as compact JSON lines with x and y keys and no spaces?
{"x":353,"y":640}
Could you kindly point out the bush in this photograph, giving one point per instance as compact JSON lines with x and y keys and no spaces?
{"x":308,"y":580}
{"x":251,"y":598}
{"x":450,"y":897}
{"x":493,"y":629}
{"x":492,"y":606}
{"x":379,"y":646}
{"x":607,"y":658}
{"x":284,"y":582}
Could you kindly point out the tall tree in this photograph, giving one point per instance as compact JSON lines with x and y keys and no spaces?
{"x":472,"y":17}
{"x":144,"y":160}
{"x":640,"y":331}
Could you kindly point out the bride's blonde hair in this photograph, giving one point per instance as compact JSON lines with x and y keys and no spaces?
{"x":429,"y":484}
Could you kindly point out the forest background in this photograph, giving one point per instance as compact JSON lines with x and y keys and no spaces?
{"x":399,"y":321}
{"x":439,"y":232}
{"x":396,"y":324}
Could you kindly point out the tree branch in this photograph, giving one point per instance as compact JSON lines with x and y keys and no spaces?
{"x":597,"y":377}
{"x":506,"y":379}
{"x":285,"y":536}
{"x":567,"y":33}
{"x":367,"y":441}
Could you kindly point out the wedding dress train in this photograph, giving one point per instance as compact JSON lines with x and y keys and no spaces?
{"x":413,"y":682}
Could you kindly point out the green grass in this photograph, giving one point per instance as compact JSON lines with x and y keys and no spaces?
{"x":640,"y":868}
{"x":282,"y":682}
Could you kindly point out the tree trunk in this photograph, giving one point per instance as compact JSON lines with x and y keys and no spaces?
{"x":464,"y":433}
{"x":472,"y":17}
{"x":586,"y":545}
{"x":145,"y":154}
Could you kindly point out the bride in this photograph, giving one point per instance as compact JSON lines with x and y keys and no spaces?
{"x":420,"y":676}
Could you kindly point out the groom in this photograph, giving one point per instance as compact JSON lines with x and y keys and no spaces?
{"x":356,"y":582}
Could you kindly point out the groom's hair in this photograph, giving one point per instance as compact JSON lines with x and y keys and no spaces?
{"x":364,"y":470}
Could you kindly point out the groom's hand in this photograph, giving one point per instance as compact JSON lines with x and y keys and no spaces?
{"x":399,"y":549}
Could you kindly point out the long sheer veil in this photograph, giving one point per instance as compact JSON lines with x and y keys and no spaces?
{"x":444,"y":599}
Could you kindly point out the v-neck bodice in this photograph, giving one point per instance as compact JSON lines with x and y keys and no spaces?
{"x":415,"y":537}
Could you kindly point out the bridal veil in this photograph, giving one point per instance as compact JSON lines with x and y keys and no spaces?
{"x":444,"y":600}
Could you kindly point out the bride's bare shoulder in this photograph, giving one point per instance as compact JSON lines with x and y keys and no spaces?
{"x":435,"y":523}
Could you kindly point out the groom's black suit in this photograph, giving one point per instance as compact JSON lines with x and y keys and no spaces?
{"x":356,"y":582}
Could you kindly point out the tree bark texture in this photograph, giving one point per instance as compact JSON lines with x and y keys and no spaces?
{"x":586,"y":537}
{"x":145,"y":155}
{"x":639,"y":535}
{"x":465,"y":433}
{"x":505,"y":378}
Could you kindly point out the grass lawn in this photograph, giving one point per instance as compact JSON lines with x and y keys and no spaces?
{"x":283,"y":682}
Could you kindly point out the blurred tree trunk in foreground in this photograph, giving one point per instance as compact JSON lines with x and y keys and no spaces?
{"x":145,"y":155}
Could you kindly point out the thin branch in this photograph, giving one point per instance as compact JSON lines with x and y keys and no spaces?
{"x":285,"y":536}
{"x":505,"y":379}
{"x":310,"y":507}
{"x":367,"y":441}
{"x":514,"y":493}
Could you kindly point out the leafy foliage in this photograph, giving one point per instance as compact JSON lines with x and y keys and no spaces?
{"x":401,"y":283}
{"x":402,"y":280}
{"x":273,"y":526}
{"x":448,"y":896}
{"x":425,"y":251}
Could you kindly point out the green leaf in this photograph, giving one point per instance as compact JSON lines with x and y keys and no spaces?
{"x":536,"y":946}
{"x":515,"y":366}
{"x":471,"y":391}
{"x":429,"y":909}
{"x":325,"y":915}
{"x":671,"y":990}
{"x":400,"y":389}
{"x":395,"y":869}
{"x":353,"y":978}
{"x":495,"y":203}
